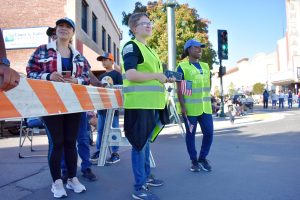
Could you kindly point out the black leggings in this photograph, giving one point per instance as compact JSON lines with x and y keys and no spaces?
{"x":62,"y":133}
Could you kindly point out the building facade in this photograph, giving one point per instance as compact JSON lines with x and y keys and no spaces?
{"x":277,"y":70}
{"x":24,"y":24}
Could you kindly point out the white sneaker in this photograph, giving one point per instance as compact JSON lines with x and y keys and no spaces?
{"x":58,"y":189}
{"x":75,"y":185}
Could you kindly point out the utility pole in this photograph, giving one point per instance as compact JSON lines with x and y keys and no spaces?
{"x":171,"y":34}
{"x":222,"y":114}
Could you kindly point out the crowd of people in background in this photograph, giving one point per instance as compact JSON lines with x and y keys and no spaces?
{"x":280,"y":98}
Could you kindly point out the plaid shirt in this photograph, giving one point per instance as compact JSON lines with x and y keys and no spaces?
{"x":46,"y":59}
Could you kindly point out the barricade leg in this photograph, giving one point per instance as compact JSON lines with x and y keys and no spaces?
{"x":105,"y":136}
{"x":113,"y":137}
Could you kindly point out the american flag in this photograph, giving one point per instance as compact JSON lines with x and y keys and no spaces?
{"x":186,"y":87}
{"x":190,"y":125}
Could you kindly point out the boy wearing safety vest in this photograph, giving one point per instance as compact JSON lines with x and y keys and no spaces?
{"x":195,"y":105}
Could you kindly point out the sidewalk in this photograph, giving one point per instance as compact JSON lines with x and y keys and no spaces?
{"x":29,"y":178}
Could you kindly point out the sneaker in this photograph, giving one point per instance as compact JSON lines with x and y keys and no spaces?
{"x":75,"y":185}
{"x":58,"y":189}
{"x":204,"y":164}
{"x":154,"y":182}
{"x":195,"y":166}
{"x":88,"y":174}
{"x":114,"y":158}
{"x":94,"y":157}
{"x":144,"y":194}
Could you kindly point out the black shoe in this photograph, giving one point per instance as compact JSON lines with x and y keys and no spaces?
{"x":195,"y":166}
{"x":94,"y":157}
{"x":204,"y":164}
{"x":114,"y":158}
{"x":154,"y":182}
{"x":88,"y":174}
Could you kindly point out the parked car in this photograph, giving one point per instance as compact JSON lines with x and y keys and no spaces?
{"x":242,"y":99}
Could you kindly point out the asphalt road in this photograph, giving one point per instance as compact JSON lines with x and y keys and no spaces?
{"x":252,"y":161}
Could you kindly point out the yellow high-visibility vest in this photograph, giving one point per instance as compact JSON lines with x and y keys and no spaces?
{"x":200,"y":100}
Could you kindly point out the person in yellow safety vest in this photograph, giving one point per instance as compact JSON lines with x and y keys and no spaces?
{"x":144,"y":94}
{"x":195,"y":106}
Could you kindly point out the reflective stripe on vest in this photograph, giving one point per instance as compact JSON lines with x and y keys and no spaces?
{"x":199,"y":90}
{"x":143,"y":88}
{"x":200,"y":100}
{"x":147,"y":94}
{"x":195,"y":101}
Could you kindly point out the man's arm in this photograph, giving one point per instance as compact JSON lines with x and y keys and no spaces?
{"x":93,"y":80}
{"x":9,"y":78}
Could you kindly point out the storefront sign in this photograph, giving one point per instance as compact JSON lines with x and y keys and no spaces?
{"x":25,"y":37}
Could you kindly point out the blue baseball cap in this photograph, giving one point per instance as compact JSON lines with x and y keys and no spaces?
{"x":193,"y":42}
{"x":66,"y":20}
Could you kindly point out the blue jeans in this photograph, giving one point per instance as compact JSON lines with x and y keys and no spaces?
{"x":290,"y":102}
{"x":207,"y":128}
{"x":298,"y":102}
{"x":140,"y":161}
{"x":281,"y":100}
{"x":100,"y":129}
{"x":83,"y":147}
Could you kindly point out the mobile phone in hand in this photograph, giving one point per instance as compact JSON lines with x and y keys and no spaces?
{"x":177,"y":75}
{"x":66,"y":74}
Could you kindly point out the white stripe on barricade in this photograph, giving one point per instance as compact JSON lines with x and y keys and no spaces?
{"x":35,"y":98}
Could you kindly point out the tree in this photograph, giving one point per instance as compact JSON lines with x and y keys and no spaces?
{"x":188,"y":25}
{"x":258,"y":88}
{"x":139,"y":7}
{"x":231,"y":89}
{"x":217,"y":91}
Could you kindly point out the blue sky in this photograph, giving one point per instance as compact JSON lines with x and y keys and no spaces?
{"x":253,"y":26}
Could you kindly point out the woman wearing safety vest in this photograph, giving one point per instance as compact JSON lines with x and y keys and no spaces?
{"x":195,"y":105}
{"x":144,"y":94}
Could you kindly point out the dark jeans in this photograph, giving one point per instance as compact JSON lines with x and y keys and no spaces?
{"x":207,"y":127}
{"x":290,"y":102}
{"x":266,"y":103}
{"x":281,"y":100}
{"x":62,"y":133}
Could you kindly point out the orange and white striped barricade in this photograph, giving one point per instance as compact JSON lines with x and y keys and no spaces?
{"x":113,"y":137}
{"x":35,"y":98}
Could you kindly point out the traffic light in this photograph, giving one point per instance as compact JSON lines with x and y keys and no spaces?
{"x":222,"y":45}
{"x":222,"y":71}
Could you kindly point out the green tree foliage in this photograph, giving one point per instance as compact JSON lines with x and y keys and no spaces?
{"x":231,"y":89}
{"x":258,"y":88}
{"x":139,"y":7}
{"x":188,"y":25}
{"x":217,"y":91}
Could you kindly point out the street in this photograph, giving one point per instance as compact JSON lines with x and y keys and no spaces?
{"x":250,"y":161}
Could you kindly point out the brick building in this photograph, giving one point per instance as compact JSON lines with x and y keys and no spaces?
{"x":24,"y":22}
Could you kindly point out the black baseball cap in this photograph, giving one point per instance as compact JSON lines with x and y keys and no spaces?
{"x":66,"y":20}
{"x":50,"y":31}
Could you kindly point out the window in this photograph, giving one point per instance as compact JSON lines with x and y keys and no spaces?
{"x":94,"y":23}
{"x":115,"y":55}
{"x":109,"y":43}
{"x":103,"y":39}
{"x":118,"y":56}
{"x":84,"y":16}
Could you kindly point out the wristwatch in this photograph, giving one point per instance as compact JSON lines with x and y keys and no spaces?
{"x":5,"y":61}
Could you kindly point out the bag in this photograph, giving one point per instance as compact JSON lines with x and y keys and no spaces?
{"x":164,"y":115}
